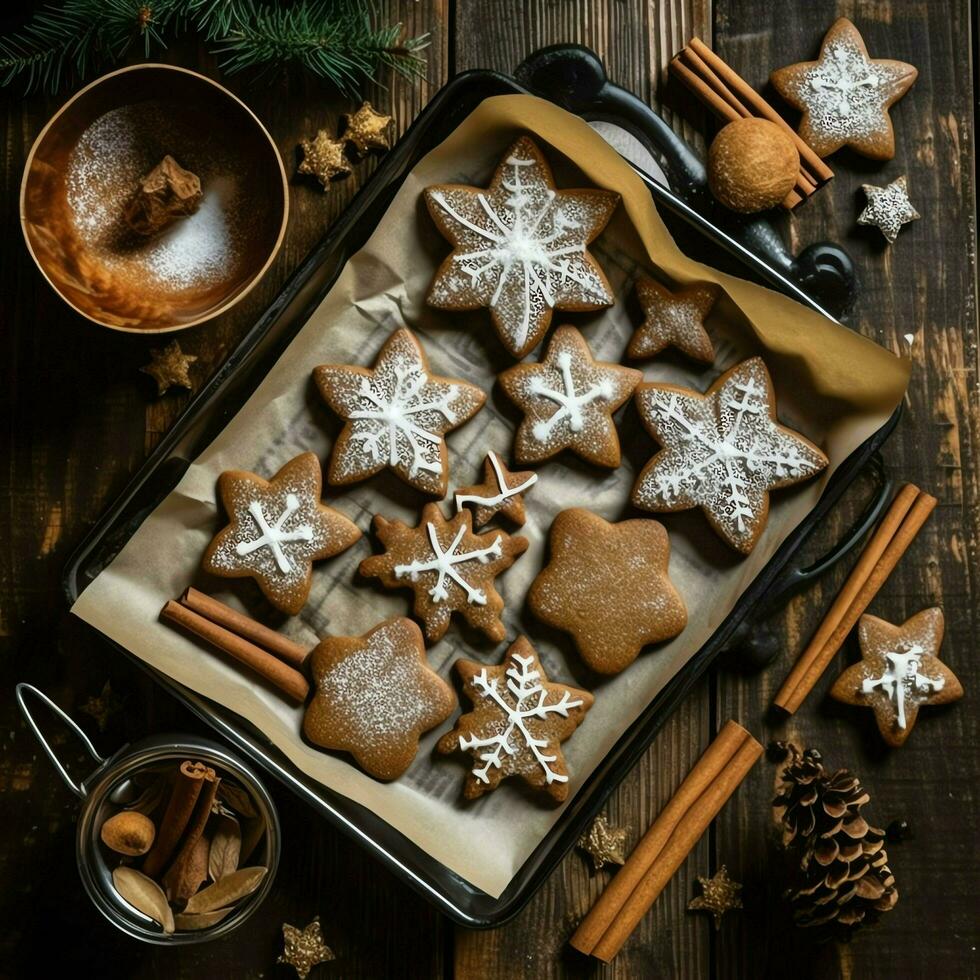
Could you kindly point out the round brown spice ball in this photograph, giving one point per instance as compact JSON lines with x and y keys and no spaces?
{"x":752,"y":165}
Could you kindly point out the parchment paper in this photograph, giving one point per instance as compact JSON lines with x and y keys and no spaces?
{"x":832,"y":385}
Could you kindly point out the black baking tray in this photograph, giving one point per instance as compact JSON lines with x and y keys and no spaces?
{"x":215,"y":404}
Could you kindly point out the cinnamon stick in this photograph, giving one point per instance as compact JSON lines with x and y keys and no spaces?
{"x":289,"y":680}
{"x":245,"y":626}
{"x":180,"y":808}
{"x":178,"y":877}
{"x":663,"y":848}
{"x":817,"y":663}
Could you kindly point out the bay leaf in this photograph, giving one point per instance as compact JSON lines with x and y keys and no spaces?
{"x":229,"y":889}
{"x":189,"y":922}
{"x":226,"y":846}
{"x":252,"y":834}
{"x":237,"y":798}
{"x":145,"y":895}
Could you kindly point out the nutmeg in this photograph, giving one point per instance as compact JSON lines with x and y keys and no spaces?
{"x":128,"y":832}
{"x":752,"y":165}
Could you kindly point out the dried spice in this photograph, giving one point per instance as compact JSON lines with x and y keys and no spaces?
{"x":144,"y":894}
{"x":226,"y":846}
{"x":128,"y":832}
{"x":226,"y":891}
{"x":190,"y":921}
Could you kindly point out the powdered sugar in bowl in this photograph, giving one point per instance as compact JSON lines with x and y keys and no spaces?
{"x":83,"y":170}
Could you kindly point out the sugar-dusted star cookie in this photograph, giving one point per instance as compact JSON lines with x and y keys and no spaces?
{"x":374,"y":695}
{"x":723,"y":451}
{"x":323,"y":158}
{"x":845,"y":95}
{"x":519,"y":247}
{"x":501,"y":492}
{"x":303,"y":949}
{"x":517,"y":724}
{"x":674,"y":319}
{"x":899,"y":672}
{"x":607,"y":585}
{"x":719,"y":894}
{"x":397,"y":414}
{"x":604,"y":843}
{"x":448,"y":567}
{"x":170,"y":366}
{"x":568,"y":400}
{"x":365,"y":128}
{"x":888,"y":208}
{"x":277,"y":528}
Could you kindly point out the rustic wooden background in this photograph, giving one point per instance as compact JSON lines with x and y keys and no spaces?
{"x":77,"y":419}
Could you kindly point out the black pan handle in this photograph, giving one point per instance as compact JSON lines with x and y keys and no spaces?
{"x":574,"y":77}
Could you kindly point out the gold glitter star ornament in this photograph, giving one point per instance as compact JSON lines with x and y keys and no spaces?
{"x":366,"y":129}
{"x":718,"y":895}
{"x":170,"y":366}
{"x":323,"y":158}
{"x":604,"y":844}
{"x":304,"y":948}
{"x":888,"y":208}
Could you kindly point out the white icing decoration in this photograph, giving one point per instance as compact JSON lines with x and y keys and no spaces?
{"x":274,"y":536}
{"x":570,"y":401}
{"x":445,"y":562}
{"x":523,"y":683}
{"x":506,"y":492}
{"x":901,"y":680}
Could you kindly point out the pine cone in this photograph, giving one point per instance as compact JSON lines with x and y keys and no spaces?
{"x":842,"y":880}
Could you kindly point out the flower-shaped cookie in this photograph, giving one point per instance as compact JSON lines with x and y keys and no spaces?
{"x":673,"y":319}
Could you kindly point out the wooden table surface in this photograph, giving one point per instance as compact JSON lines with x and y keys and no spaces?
{"x":78,"y":419}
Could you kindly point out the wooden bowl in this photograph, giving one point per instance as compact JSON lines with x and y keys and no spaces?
{"x":85,"y":165}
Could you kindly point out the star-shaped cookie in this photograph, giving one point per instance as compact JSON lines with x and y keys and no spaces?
{"x":719,"y":894}
{"x":277,"y":529}
{"x":170,"y":366}
{"x":899,"y":672}
{"x":518,"y":722}
{"x":845,"y":95}
{"x":303,"y":949}
{"x":519,"y":247}
{"x":888,"y":208}
{"x":604,"y":844}
{"x":366,"y":128}
{"x":374,"y":695}
{"x":448,"y":567}
{"x":568,"y":400}
{"x":607,"y":585}
{"x":323,"y":158}
{"x":674,"y":319}
{"x":397,"y":414}
{"x":501,"y":492}
{"x":723,"y":451}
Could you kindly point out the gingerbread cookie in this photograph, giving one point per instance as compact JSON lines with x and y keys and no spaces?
{"x":374,"y":695}
{"x":568,"y":401}
{"x":519,"y":247}
{"x":723,"y":451}
{"x":277,"y":529}
{"x":607,"y":585}
{"x":899,"y":672}
{"x":449,"y":568}
{"x":845,"y":95}
{"x":518,"y":722}
{"x":396,"y":415}
{"x":888,"y":208}
{"x":674,"y":320}
{"x":501,"y":492}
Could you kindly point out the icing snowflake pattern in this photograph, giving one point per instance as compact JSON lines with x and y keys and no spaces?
{"x":274,"y":536}
{"x":902,"y":680}
{"x":520,"y":247}
{"x":723,"y":452}
{"x":508,"y":499}
{"x":396,"y":415}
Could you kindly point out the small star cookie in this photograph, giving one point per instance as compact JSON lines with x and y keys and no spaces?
{"x":303,"y":949}
{"x":607,"y":585}
{"x":374,"y":695}
{"x":888,"y":208}
{"x":449,"y":568}
{"x":899,"y":672}
{"x":719,"y":894}
{"x":396,"y":415}
{"x":568,"y":400}
{"x":501,"y":492}
{"x":604,"y":844}
{"x":366,"y":128}
{"x":170,"y":367}
{"x":323,"y":158}
{"x":674,"y":319}
{"x":518,"y":722}
{"x":845,"y":95}
{"x":277,"y":529}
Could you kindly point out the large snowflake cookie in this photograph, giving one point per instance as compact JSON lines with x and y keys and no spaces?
{"x":899,"y":672}
{"x":277,"y":529}
{"x":674,"y":319}
{"x":723,"y":451}
{"x":448,"y":567}
{"x":607,"y":585}
{"x":519,"y":247}
{"x":845,"y":95}
{"x":518,"y":722}
{"x":568,"y":401}
{"x":374,"y":695}
{"x":396,"y":415}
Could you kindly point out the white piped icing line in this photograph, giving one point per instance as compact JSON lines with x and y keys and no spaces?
{"x":902,"y":680}
{"x":506,"y":492}
{"x":529,"y":701}
{"x":445,"y":562}
{"x":570,"y":402}
{"x":274,"y":536}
